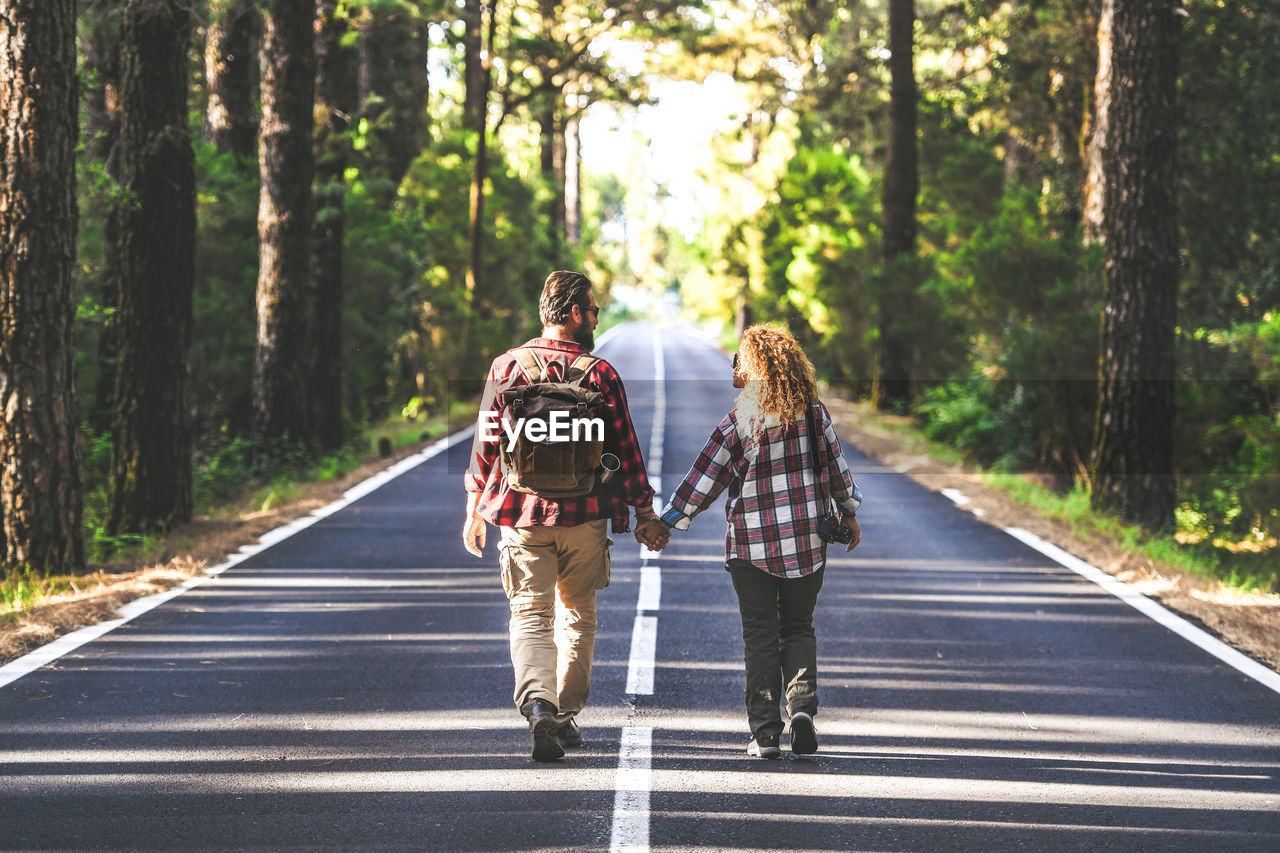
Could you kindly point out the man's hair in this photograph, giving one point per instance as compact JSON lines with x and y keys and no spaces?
{"x":562,"y":290}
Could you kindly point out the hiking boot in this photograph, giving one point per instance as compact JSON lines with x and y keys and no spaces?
{"x":804,"y":738}
{"x":764,"y":746}
{"x":543,"y":729}
{"x":569,"y":733}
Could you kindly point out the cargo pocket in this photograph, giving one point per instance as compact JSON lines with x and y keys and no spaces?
{"x":607,"y":569}
{"x":504,"y":568}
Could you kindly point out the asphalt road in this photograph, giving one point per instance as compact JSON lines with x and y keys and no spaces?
{"x":349,"y":688}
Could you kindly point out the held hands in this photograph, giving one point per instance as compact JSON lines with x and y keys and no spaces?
{"x":653,"y":534}
{"x":851,"y":522}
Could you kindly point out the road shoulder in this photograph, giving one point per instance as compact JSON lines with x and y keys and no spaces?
{"x":1247,"y":622}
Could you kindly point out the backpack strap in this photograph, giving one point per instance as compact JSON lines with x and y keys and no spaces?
{"x":583,"y":363}
{"x":532,"y":367}
{"x":582,"y":366}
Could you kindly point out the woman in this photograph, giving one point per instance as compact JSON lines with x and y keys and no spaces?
{"x":762,"y":452}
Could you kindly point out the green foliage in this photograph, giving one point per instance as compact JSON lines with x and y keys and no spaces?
{"x":224,"y":304}
{"x":821,"y":239}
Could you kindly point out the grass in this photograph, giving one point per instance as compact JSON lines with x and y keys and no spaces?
{"x":1247,"y":572}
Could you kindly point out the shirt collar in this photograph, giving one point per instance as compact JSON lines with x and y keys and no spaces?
{"x":553,"y":343}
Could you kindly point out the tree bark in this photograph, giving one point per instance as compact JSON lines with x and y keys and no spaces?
{"x":335,"y":104}
{"x":41,"y":492}
{"x":901,"y":185}
{"x":155,"y":225}
{"x":229,"y":120}
{"x":1133,"y":442}
{"x":1094,"y":183}
{"x":286,"y":159}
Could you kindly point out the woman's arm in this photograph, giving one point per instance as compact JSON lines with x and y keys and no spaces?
{"x":846,"y":493}
{"x":711,"y":473}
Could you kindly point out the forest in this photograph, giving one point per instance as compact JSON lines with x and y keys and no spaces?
{"x":238,"y":233}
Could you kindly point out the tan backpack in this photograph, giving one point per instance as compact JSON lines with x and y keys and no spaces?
{"x":550,"y":468}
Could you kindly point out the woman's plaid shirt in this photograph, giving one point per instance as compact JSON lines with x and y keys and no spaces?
{"x":501,"y":505}
{"x":773,"y":506}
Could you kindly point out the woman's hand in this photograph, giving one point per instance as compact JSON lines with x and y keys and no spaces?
{"x":653,"y":534}
{"x":851,"y":522}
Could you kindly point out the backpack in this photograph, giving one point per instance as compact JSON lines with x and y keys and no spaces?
{"x":548,"y":468}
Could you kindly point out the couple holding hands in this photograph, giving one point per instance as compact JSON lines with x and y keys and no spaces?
{"x":777,"y":456}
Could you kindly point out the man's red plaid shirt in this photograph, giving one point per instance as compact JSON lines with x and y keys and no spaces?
{"x":501,"y":505}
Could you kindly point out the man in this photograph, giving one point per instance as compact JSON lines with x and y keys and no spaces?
{"x":554,"y":552}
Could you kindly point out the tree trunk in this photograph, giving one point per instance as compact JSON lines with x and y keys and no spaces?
{"x":229,"y":120}
{"x":102,"y":25}
{"x":1133,"y":441}
{"x":393,"y":88}
{"x":475,"y":67}
{"x":335,"y":103}
{"x":901,"y":185}
{"x":551,"y":142}
{"x":1094,"y":183}
{"x":282,"y":363}
{"x":41,"y":492}
{"x":572,"y":183}
{"x":102,"y":61}
{"x":480,"y":171}
{"x":156,"y":223}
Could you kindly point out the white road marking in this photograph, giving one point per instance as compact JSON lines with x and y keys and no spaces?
{"x":1200,"y":638}
{"x":46,"y":654}
{"x":635,"y":775}
{"x":631,"y":797}
{"x":650,"y":597}
{"x":1156,"y":612}
{"x":644,"y":645}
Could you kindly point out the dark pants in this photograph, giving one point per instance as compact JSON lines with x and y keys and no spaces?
{"x":778,"y":643}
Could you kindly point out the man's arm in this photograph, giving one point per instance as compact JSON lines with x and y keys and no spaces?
{"x":632,"y":479}
{"x":474,"y":530}
{"x":484,"y":455}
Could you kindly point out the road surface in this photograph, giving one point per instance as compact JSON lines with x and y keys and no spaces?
{"x":349,"y":688}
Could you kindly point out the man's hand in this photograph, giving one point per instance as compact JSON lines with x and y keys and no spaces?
{"x":851,"y":522}
{"x":653,"y":534}
{"x":473,"y":535}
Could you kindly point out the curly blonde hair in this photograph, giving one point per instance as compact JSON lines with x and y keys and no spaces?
{"x":780,"y":380}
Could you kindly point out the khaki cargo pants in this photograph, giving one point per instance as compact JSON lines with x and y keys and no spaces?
{"x":550,"y":575}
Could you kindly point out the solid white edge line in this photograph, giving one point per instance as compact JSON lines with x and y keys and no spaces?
{"x":631,"y":794}
{"x":67,"y":643}
{"x":1197,"y":636}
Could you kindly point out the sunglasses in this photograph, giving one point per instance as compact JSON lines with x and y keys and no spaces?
{"x":594,"y":309}
{"x":735,"y":362}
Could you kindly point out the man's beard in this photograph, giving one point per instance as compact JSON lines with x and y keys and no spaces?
{"x":585,"y":337}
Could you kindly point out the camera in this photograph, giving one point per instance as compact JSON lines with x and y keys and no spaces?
{"x":831,"y":530}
